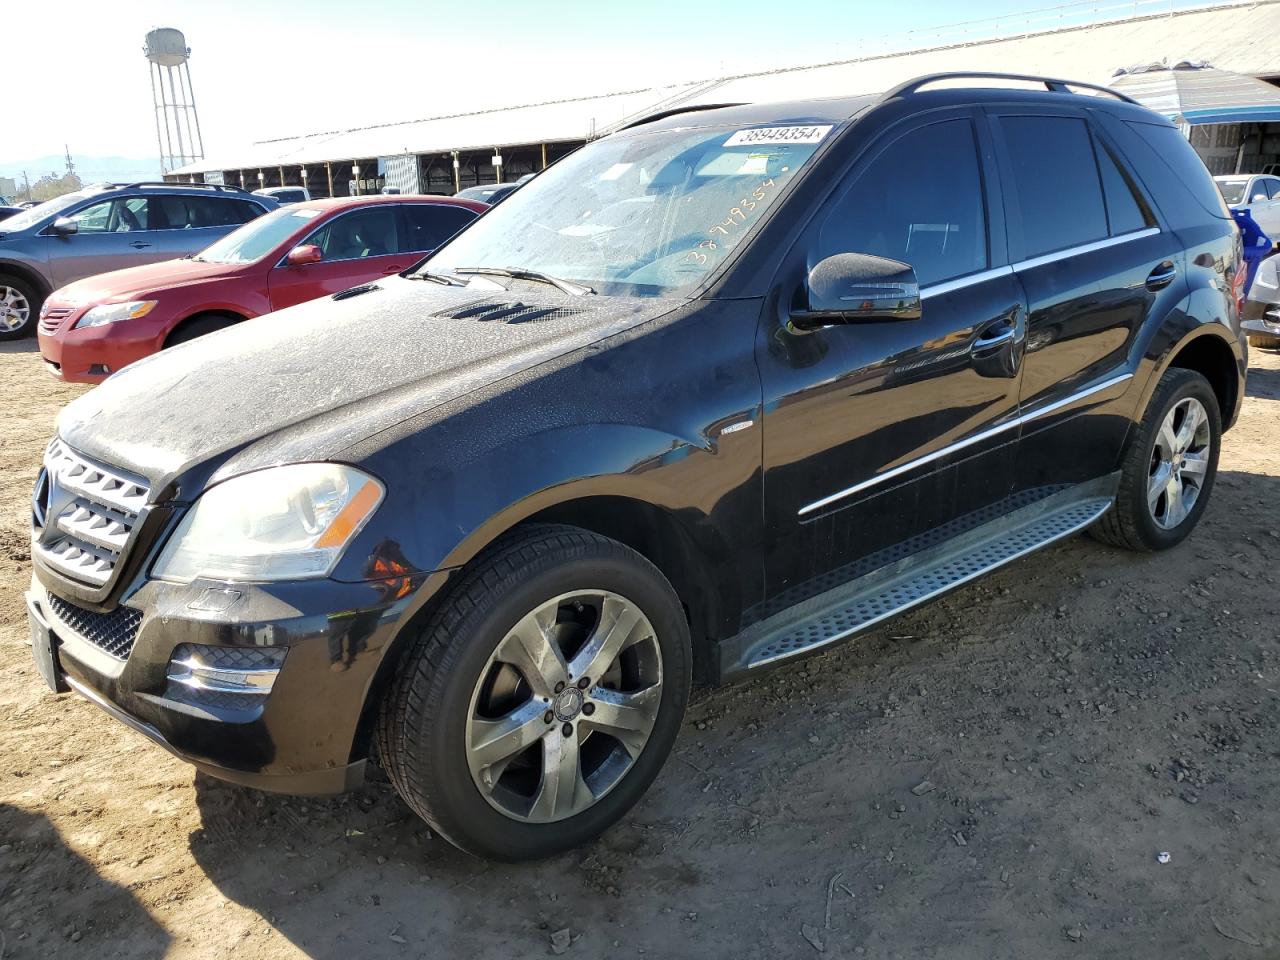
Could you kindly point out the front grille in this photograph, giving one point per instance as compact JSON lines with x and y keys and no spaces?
{"x":85,"y":515}
{"x":496,"y":312}
{"x":112,"y":632}
{"x":51,"y":318}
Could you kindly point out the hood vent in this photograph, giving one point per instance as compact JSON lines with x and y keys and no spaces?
{"x":508,"y":312}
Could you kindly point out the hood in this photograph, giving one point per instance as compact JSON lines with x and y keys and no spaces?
{"x":309,"y":381}
{"x":148,"y":278}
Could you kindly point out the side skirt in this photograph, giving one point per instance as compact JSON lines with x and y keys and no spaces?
{"x":853,"y":607}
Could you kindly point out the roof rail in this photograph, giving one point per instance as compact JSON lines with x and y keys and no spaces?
{"x":185,"y":186}
{"x":663,"y":114}
{"x":1050,"y":83}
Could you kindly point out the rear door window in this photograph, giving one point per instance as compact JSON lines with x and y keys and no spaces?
{"x":1127,"y":208}
{"x":1258,"y":191}
{"x":1055,"y":182}
{"x":1273,"y":187}
{"x":920,"y":201}
{"x":429,"y":225}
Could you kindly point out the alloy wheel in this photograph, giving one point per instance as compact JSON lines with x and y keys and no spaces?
{"x":15,"y":310}
{"x":1179,"y":463}
{"x":564,"y":706}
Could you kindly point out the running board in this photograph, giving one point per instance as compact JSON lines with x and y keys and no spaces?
{"x":855,"y":606}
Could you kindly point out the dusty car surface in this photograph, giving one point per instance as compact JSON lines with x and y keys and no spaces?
{"x":712,"y":393}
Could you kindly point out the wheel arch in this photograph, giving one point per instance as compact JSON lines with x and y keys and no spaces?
{"x":656,"y":533}
{"x":1208,"y":353}
{"x":24,"y":272}
{"x":201,"y":314}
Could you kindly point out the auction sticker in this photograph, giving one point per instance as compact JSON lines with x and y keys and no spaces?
{"x":811,"y":134}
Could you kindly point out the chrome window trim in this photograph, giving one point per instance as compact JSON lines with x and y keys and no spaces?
{"x":966,"y":442}
{"x":959,"y":283}
{"x":1083,"y":248}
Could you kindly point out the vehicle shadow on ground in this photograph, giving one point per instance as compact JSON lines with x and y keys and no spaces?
{"x":27,"y":345}
{"x":1263,"y":382}
{"x":86,"y":913}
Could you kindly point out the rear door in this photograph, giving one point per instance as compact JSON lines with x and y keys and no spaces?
{"x":1267,"y":213}
{"x":186,"y":224}
{"x":358,"y":246}
{"x":877,"y":433}
{"x":1094,"y":264}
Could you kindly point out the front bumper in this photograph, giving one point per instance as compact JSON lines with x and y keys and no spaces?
{"x":305,"y":736}
{"x":92,"y":354}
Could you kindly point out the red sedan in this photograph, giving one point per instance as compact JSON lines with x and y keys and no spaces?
{"x":93,"y":327}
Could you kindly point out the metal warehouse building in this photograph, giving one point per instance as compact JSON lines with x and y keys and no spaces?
{"x":1082,"y":41}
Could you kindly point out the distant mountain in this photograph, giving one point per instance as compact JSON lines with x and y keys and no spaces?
{"x":89,"y":169}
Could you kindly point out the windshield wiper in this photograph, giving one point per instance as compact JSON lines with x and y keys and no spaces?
{"x":444,"y":278}
{"x":519,"y":273}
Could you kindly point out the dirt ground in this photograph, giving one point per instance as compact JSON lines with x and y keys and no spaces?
{"x":1074,"y":716}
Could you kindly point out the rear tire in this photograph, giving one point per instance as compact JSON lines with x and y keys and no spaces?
{"x":478,"y":748}
{"x":197,"y":327}
{"x":1168,"y":468}
{"x":20,"y":303}
{"x":1265,"y":341}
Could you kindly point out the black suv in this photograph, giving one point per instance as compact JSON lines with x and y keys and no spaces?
{"x":712,"y":393}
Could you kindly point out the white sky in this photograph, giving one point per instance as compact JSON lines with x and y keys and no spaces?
{"x":74,"y":72}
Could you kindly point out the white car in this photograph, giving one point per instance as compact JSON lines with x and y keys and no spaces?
{"x":1257,"y":193}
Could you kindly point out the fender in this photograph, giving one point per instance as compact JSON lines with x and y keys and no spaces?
{"x":1202,"y":313}
{"x":23,"y":270}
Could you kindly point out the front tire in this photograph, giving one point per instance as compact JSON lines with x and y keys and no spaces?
{"x":1168,"y":468}
{"x":541,"y":698}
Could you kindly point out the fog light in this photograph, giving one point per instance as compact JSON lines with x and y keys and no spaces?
{"x":241,"y":670}
{"x":99,"y":370}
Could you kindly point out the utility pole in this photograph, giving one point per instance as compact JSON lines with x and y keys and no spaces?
{"x":26,"y":184}
{"x":71,"y":167}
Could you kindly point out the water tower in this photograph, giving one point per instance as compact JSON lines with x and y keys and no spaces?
{"x":177,"y":126}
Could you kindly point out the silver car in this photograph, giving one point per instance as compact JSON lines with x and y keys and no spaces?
{"x":107,"y":227}
{"x":1259,"y":194}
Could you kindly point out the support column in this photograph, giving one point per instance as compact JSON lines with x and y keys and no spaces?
{"x":328,"y":169}
{"x":544,"y":156}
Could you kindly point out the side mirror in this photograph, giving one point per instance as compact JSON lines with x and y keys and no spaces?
{"x":64,"y":226}
{"x":304,"y":253}
{"x":856,"y":287}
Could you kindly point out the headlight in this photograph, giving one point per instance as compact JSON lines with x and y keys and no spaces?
{"x":111,"y":312}
{"x":283,"y":523}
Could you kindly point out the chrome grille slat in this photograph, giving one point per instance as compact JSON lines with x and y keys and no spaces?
{"x":92,"y":513}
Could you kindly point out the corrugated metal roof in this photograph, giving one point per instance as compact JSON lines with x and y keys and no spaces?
{"x":1193,"y":95}
{"x":1238,"y":37}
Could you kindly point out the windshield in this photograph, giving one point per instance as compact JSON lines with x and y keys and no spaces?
{"x":29,"y":218}
{"x":257,"y":238}
{"x":1232,"y":190}
{"x":639,"y":214}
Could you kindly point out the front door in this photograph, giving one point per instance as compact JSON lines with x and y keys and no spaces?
{"x":877,"y":432}
{"x":358,"y":246}
{"x":110,"y":235}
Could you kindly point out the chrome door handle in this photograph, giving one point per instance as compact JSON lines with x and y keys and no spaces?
{"x":139,"y":244}
{"x":986,"y":343}
{"x":1163,"y":275}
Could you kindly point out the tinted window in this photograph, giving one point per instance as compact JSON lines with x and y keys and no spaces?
{"x":1126,"y":208}
{"x":1273,"y":187}
{"x":428,"y":225}
{"x":1257,"y":191}
{"x":1188,"y":169}
{"x":918,"y":201}
{"x":370,"y":232}
{"x":1056,"y":182}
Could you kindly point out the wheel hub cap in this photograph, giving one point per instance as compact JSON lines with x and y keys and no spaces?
{"x":564,"y":707}
{"x":1179,"y":463}
{"x":569,"y":704}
